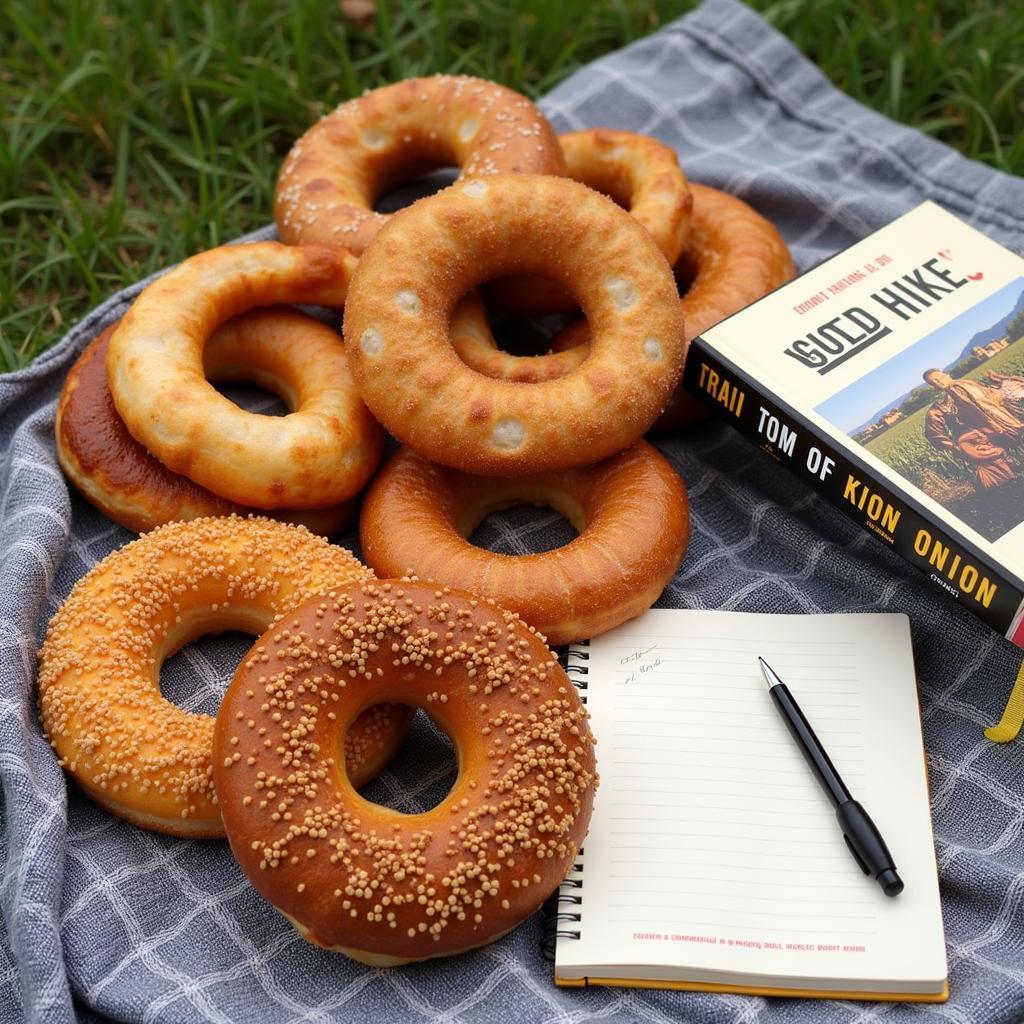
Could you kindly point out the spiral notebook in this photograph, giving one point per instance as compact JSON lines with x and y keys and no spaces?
{"x":713,"y":859}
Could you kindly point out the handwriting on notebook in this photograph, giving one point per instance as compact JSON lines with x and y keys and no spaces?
{"x":640,"y":663}
{"x":634,"y":656}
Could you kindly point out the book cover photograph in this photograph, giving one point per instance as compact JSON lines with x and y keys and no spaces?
{"x":947,"y":413}
{"x":891,"y":378}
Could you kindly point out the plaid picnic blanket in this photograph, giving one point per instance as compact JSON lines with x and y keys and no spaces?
{"x":104,"y":920}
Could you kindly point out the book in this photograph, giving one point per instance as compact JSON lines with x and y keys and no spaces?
{"x":891,"y":378}
{"x":713,"y":859}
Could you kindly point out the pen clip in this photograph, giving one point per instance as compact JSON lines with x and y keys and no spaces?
{"x":856,"y":856}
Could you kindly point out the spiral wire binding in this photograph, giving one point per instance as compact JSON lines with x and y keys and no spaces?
{"x":577,"y":668}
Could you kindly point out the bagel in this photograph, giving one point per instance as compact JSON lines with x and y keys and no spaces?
{"x":116,"y":473}
{"x":133,"y":751}
{"x":319,"y":455}
{"x":642,"y":175}
{"x":631,"y":513}
{"x":378,"y":885}
{"x":406,"y":287}
{"x":334,"y":173}
{"x":733,"y":257}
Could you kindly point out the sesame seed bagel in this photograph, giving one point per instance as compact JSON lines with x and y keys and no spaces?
{"x":631,"y":513}
{"x":334,"y":173}
{"x":733,"y":256}
{"x":137,"y":754}
{"x":406,"y":287}
{"x":319,"y":455}
{"x":378,"y":885}
{"x":125,"y":482}
{"x":642,"y":175}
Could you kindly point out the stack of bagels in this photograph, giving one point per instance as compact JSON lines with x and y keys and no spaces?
{"x":603,"y":222}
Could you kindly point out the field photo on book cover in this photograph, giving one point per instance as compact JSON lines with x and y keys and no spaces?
{"x":953,"y":422}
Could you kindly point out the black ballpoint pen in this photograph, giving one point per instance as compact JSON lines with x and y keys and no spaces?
{"x":859,"y":831}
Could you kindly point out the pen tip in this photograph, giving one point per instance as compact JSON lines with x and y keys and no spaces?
{"x":769,"y":676}
{"x":891,"y":883}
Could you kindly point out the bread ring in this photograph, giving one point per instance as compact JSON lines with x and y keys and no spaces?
{"x":319,"y":455}
{"x":133,"y":751}
{"x":733,"y":256}
{"x":639,"y":173}
{"x":406,"y":286}
{"x":381,"y":886}
{"x":334,"y":173}
{"x":474,"y":343}
{"x":631,"y":513}
{"x":133,"y":488}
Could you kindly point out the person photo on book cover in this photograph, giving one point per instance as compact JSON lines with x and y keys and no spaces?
{"x":1011,"y":388}
{"x":974,"y":418}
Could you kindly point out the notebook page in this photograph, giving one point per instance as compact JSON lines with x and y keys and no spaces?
{"x":712,"y":847}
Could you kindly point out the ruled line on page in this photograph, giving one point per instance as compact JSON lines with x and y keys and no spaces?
{"x":857,"y":887}
{"x":823,"y":826}
{"x":745,"y":899}
{"x":839,"y":871}
{"x":621,"y":641}
{"x":689,"y":922}
{"x":657,"y":804}
{"x":717,"y":687}
{"x":759,"y":741}
{"x":747,"y":912}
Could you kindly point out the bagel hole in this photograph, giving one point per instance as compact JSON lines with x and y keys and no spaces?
{"x":526,"y":335}
{"x":522,"y":529}
{"x":406,"y":191}
{"x":196,"y":676}
{"x":421,"y":774}
{"x":685,"y":273}
{"x":253,"y":397}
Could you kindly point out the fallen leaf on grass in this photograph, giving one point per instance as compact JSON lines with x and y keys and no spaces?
{"x":358,"y":10}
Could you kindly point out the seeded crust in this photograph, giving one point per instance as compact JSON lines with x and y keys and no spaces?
{"x":372,"y":882}
{"x":126,"y":483}
{"x":155,"y":370}
{"x":642,"y":175}
{"x":407,"y":284}
{"x":631,"y":513}
{"x":334,"y":173}
{"x":733,"y":257}
{"x":132,"y":750}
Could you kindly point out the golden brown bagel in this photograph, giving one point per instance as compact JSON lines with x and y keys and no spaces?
{"x":407,"y":284}
{"x":133,"y":488}
{"x":630,"y":511}
{"x":334,"y":173}
{"x":378,"y":885}
{"x":642,"y":175}
{"x":733,"y":256}
{"x":311,"y":458}
{"x":140,"y":756}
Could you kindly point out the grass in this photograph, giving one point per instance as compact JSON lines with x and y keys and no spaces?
{"x":131,"y":140}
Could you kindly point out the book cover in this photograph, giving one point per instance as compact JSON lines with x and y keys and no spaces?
{"x":891,"y":378}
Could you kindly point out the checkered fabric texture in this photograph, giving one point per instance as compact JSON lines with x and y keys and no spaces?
{"x":103,"y":920}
